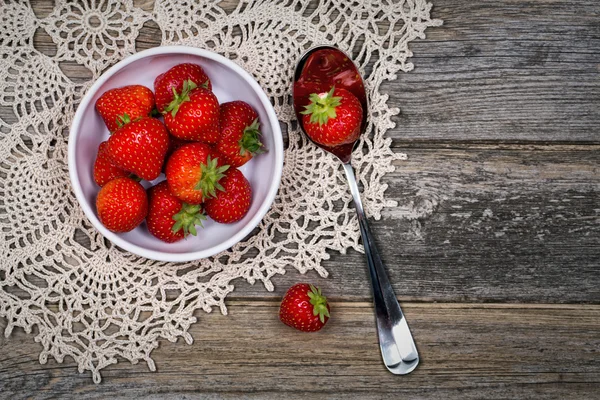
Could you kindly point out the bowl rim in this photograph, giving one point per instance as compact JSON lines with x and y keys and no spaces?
{"x":161,"y":255}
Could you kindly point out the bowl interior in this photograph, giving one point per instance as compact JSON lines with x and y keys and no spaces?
{"x":261,"y":171}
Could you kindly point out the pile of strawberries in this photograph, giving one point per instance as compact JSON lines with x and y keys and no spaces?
{"x":198,"y":147}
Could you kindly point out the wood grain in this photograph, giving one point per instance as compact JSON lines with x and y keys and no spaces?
{"x":468,"y":351}
{"x":498,"y":202}
{"x":504,"y":71}
{"x":483,"y":224}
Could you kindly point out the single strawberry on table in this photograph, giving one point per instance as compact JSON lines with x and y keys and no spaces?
{"x":193,"y":114}
{"x":172,"y":81}
{"x":233,"y":203}
{"x":333,"y":118}
{"x":193,"y":172}
{"x":140,"y":147}
{"x":304,"y":308}
{"x":170,"y":219}
{"x":104,"y":169}
{"x":240,"y":134}
{"x":122,"y":204}
{"x":134,"y":100}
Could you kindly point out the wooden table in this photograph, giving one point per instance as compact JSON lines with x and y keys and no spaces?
{"x":499,"y":275}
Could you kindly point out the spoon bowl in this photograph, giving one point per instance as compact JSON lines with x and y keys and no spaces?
{"x":317,"y":71}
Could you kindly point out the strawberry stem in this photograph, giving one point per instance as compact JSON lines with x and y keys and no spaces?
{"x":319,"y":303}
{"x":322,"y":107}
{"x":178,"y":99}
{"x":187,"y":218}
{"x":123,"y":120}
{"x":211,"y":175}
{"x":135,"y":177}
{"x":250,"y":141}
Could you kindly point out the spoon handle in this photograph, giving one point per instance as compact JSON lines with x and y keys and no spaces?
{"x":398,"y":348}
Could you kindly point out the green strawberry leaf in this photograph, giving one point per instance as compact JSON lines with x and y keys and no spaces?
{"x":319,"y":303}
{"x":180,"y":98}
{"x":187,"y":218}
{"x":211,"y":174}
{"x":322,"y":107}
{"x":250,"y":141}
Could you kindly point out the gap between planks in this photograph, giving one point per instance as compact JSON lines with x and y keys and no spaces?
{"x":431,"y":305}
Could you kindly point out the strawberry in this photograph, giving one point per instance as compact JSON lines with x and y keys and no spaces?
{"x":172,"y":81}
{"x":193,"y":114}
{"x":304,"y":87}
{"x":104,"y":169}
{"x":134,"y":100}
{"x":233,"y":203}
{"x":333,"y":118}
{"x":239,"y":140}
{"x":304,"y":307}
{"x":194,"y":171}
{"x":122,"y":204}
{"x":169,"y":219}
{"x":140,"y":147}
{"x":174,"y":144}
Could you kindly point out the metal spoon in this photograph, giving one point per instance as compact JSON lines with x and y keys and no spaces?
{"x":398,"y":348}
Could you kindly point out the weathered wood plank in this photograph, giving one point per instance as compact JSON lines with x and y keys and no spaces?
{"x":468,"y":351}
{"x":481,"y":225}
{"x":504,"y":70}
{"x":496,"y":222}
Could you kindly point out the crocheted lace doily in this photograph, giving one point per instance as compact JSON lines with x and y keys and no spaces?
{"x":92,"y":301}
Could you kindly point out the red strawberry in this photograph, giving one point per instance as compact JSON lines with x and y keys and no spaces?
{"x":239,"y":140}
{"x":122,"y":204}
{"x":140,"y":147}
{"x":304,"y":307}
{"x":194,"y":114}
{"x":193,"y":172}
{"x":172,"y":81}
{"x":134,"y":100}
{"x":104,"y":169}
{"x":333,"y":118}
{"x":174,"y":144}
{"x":169,"y":218}
{"x":233,"y":203}
{"x":303,"y":88}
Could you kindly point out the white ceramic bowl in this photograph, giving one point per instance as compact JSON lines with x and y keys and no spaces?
{"x":230,"y":82}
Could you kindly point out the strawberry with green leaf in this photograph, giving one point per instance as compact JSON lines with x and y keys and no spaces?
{"x":233,"y":202}
{"x":240,"y":134}
{"x":304,"y":308}
{"x":170,"y":219}
{"x":170,"y":82}
{"x":194,"y":172}
{"x":139,"y":146}
{"x":193,"y":114}
{"x":134,"y":100}
{"x":333,"y":118}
